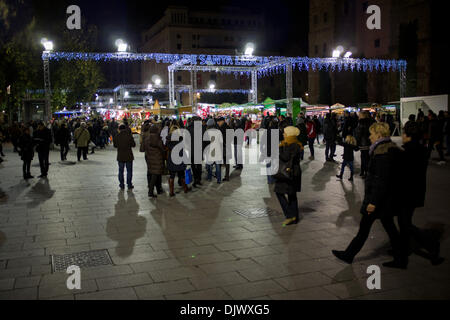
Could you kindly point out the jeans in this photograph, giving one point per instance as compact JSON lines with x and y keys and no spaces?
{"x":26,"y":167}
{"x":238,"y":160}
{"x":43,"y":161}
{"x":129,"y":166}
{"x":64,"y":151}
{"x":330,"y":149}
{"x":84,"y":150}
{"x":289,"y":205}
{"x":365,"y":161}
{"x":270,"y":178}
{"x":311,"y":145}
{"x":152,"y":181}
{"x":197,"y":173}
{"x":218,"y":172}
{"x":349,"y":164}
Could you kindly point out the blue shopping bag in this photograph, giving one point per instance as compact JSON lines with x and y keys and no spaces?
{"x":188,"y":176}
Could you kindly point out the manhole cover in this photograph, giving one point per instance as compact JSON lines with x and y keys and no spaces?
{"x":256,"y":213}
{"x":85,"y":259}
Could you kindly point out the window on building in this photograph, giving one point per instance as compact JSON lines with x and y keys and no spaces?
{"x":213,"y":77}
{"x":193,"y":37}
{"x":194,"y":46}
{"x":316,"y":19}
{"x":179,"y":78}
{"x":324,"y":49}
{"x":325,"y":17}
{"x":179,"y":46}
{"x":316,"y":50}
{"x":377,"y":43}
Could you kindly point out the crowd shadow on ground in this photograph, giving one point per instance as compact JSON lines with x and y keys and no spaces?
{"x":40,"y":192}
{"x":166,"y":214}
{"x":353,"y":206}
{"x":126,"y":216}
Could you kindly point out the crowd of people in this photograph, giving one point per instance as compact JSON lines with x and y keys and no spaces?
{"x":395,"y":178}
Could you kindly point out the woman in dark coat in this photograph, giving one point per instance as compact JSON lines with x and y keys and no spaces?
{"x":62,"y":138}
{"x":154,"y":156}
{"x":381,"y":188}
{"x":26,"y":152}
{"x":175,"y":169}
{"x":290,"y":149}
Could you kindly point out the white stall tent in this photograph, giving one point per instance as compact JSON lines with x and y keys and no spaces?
{"x":412,"y":105}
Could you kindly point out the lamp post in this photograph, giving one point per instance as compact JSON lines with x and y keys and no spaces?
{"x":48,"y":47}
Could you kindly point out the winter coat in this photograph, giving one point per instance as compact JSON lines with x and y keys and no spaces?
{"x":196,"y":142}
{"x":82,"y":137}
{"x":227,"y":153}
{"x":329,"y":130}
{"x":26,"y":147}
{"x":303,"y":136}
{"x":154,"y":151}
{"x":414,"y":174}
{"x":290,"y":148}
{"x":124,"y":142}
{"x":311,"y":130}
{"x":382,"y":184}
{"x":362,"y":133}
{"x":171,"y":166}
{"x":349,"y":149}
{"x":43,"y":139}
{"x":62,"y":136}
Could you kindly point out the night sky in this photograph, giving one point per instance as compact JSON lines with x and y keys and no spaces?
{"x":127,"y":19}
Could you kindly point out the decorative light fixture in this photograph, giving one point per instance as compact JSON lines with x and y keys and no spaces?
{"x":249,"y":48}
{"x":121,"y":45}
{"x":348,"y":54}
{"x":48,"y":45}
{"x":156,"y":80}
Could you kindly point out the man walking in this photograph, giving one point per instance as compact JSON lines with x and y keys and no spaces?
{"x":81,"y":138}
{"x":43,"y":138}
{"x":124,"y":143}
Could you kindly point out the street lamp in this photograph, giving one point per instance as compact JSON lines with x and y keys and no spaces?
{"x":249,"y":48}
{"x":156,"y":80}
{"x":48,"y":45}
{"x":211,"y":85}
{"x":127,"y":94}
{"x":121,"y":45}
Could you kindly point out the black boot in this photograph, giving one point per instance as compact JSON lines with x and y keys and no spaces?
{"x":341,"y":255}
{"x":339,"y":177}
{"x":351,"y":178}
{"x":151,"y":194}
{"x":398,"y":264}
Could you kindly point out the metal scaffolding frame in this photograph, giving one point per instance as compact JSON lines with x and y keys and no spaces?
{"x":48,"y":90}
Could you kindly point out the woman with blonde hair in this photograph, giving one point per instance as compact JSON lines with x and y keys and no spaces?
{"x":350,"y":146}
{"x":381,"y":189}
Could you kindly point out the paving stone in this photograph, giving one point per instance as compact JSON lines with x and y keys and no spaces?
{"x":60,"y":289}
{"x":236,"y":245}
{"x":253,"y":289}
{"x":6,"y":284}
{"x":207,"y":258}
{"x":15,"y":272}
{"x":167,"y":288}
{"x":155,"y":265}
{"x":227,"y":266}
{"x":20,"y":294}
{"x":28,"y":262}
{"x":304,"y":281}
{"x":253,"y":252}
{"x":217,"y":280}
{"x":130,"y":280}
{"x":210,"y":294}
{"x":175,"y":274}
{"x":105,"y":271}
{"x":116,"y":294}
{"x":27,"y":282}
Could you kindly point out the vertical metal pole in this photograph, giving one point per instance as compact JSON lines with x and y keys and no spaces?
{"x":191,"y":90}
{"x":402,"y":82}
{"x":171,"y":89}
{"x":254,"y":90}
{"x":47,"y":88}
{"x":178,"y":97}
{"x":289,"y":87}
{"x":194,"y":91}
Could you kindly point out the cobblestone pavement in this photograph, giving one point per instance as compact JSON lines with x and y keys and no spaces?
{"x":195,"y":246}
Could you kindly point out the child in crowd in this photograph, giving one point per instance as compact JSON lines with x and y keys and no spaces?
{"x":350,"y":146}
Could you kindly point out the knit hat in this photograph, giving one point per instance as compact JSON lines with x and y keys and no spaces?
{"x":291,"y":131}
{"x":210,"y":123}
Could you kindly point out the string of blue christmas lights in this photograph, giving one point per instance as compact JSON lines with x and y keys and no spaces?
{"x":299,"y":63}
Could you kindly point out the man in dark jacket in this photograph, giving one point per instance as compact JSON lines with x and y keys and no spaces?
{"x":330,"y":135}
{"x":362,"y":138}
{"x":196,"y":142}
{"x":222,"y":126}
{"x":238,"y":124}
{"x":124,"y":143}
{"x":62,"y":138}
{"x":43,"y":139}
{"x":412,"y":195}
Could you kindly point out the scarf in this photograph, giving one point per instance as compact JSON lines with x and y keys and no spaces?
{"x":373,"y":146}
{"x":291,"y":140}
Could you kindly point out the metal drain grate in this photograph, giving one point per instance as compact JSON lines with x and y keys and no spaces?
{"x":85,"y":259}
{"x":256,"y":213}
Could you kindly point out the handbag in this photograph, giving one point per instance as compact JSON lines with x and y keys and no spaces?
{"x":285,"y":171}
{"x":188,"y":176}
